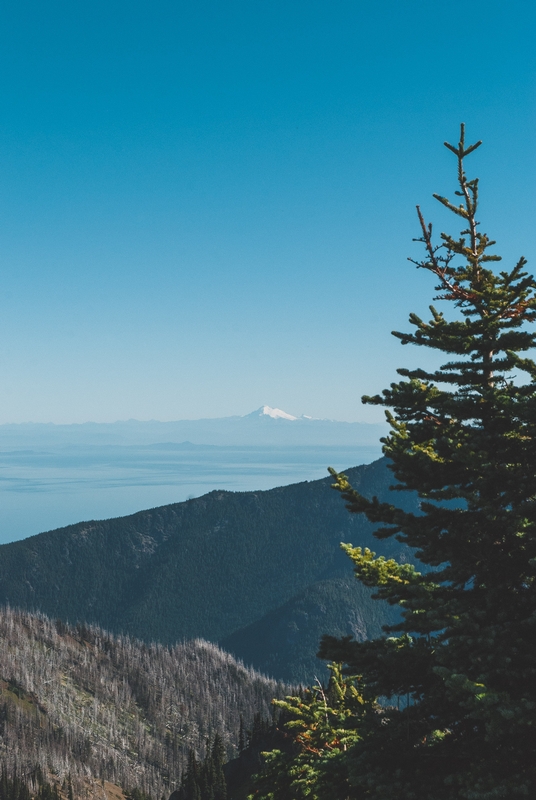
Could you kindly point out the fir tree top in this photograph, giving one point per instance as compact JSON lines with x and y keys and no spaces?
{"x":464,"y":438}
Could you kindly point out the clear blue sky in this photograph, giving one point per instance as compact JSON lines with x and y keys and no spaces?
{"x":205,"y":207}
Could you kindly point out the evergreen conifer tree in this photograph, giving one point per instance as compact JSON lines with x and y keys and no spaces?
{"x":204,"y":780}
{"x":241,"y":735}
{"x":319,"y":726}
{"x":217,"y":760}
{"x":463,"y":658}
{"x":190,"y":783}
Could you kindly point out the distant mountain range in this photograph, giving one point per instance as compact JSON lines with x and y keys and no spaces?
{"x":265,"y":426}
{"x":259,"y":572}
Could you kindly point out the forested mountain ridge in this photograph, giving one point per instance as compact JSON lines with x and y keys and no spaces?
{"x":209,"y":567}
{"x":79,"y":704}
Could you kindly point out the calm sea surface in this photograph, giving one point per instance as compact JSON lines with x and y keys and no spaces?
{"x":46,"y":488}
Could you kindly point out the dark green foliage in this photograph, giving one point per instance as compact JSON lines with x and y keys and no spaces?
{"x":29,"y":787}
{"x":241,"y":735}
{"x":283,"y":641}
{"x":265,"y":734}
{"x":209,"y":568}
{"x":13,"y":788}
{"x":47,"y":792}
{"x":138,"y":794}
{"x":464,"y":652}
{"x":205,"y":779}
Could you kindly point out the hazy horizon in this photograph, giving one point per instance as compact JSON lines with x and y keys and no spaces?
{"x":184,"y":419}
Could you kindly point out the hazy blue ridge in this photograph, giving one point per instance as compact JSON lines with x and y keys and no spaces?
{"x":285,"y":640}
{"x":257,"y":428}
{"x":208,"y":567}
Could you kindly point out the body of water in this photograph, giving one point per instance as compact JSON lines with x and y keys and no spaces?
{"x":49,"y":487}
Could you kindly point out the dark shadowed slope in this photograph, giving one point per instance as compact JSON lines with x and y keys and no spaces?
{"x":208,"y":567}
{"x":284,"y":642}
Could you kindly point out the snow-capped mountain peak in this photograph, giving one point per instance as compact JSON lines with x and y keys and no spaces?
{"x":275,"y":413}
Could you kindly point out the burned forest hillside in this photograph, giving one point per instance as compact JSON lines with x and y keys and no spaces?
{"x":83,"y":705}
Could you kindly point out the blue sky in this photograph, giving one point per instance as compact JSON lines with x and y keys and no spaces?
{"x":208,"y":206}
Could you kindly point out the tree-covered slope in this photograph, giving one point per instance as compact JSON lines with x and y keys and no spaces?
{"x":285,"y":641}
{"x":208,"y":567}
{"x":81,"y":705}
